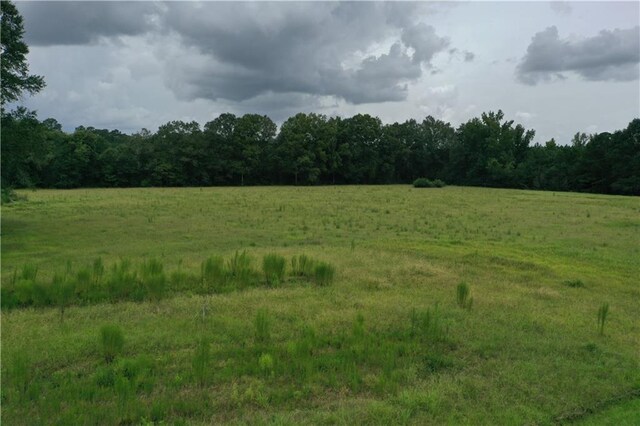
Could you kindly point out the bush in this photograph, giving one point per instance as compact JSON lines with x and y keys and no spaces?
{"x":112,"y":341}
{"x":323,"y":274}
{"x":273,"y":266}
{"x":426,"y":183}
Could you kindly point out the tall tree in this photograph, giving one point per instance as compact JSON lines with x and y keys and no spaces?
{"x":14,"y":69}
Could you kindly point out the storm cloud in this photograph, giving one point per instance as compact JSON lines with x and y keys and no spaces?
{"x":49,"y":23}
{"x":609,"y":56}
{"x":324,"y":49}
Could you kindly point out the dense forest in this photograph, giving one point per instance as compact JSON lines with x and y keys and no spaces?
{"x":312,"y":149}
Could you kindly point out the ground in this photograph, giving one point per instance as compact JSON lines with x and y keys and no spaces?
{"x":385,"y":342}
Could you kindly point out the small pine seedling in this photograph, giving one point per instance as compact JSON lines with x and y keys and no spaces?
{"x":112,"y":341}
{"x":462,"y":296}
{"x":603,"y":311}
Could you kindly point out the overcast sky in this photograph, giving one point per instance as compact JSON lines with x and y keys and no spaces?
{"x":558,"y":67}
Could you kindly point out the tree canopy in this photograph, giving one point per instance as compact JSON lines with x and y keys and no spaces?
{"x":14,"y":69}
{"x":312,"y":149}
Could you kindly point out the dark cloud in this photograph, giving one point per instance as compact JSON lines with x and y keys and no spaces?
{"x":324,"y":49}
{"x":50,"y":23}
{"x":424,"y":40}
{"x":608,"y":56}
{"x":238,"y":51}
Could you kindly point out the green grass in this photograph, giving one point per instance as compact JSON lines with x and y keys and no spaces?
{"x":384,"y":343}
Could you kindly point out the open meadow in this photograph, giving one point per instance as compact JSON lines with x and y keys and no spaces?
{"x":379,"y":305}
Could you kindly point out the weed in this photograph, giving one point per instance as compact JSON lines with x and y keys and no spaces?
{"x":265,"y":364}
{"x":462,"y":296}
{"x":112,"y":341}
{"x":273,"y":266}
{"x":603,"y":311}
{"x":323,"y":274}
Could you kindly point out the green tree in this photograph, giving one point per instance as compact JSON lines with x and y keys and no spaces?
{"x":13,"y":51}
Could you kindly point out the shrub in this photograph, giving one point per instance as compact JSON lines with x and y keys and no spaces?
{"x":273,"y":266}
{"x":426,"y":183}
{"x":603,"y":311}
{"x":462,"y":296}
{"x":323,"y":274}
{"x":112,"y":341}
{"x":213,"y":274}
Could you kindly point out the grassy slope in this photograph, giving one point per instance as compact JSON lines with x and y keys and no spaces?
{"x":527,"y":352}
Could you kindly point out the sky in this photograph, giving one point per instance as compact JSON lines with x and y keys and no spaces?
{"x":556,"y":67}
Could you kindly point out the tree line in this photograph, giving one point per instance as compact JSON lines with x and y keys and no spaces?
{"x":312,"y":149}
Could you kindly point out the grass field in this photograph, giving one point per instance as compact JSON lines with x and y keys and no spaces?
{"x":386,"y":342}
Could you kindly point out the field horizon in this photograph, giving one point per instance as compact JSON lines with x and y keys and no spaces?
{"x":454,"y":305}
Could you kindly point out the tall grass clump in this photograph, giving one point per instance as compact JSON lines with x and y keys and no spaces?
{"x":29,"y":272}
{"x":603,"y":311}
{"x":20,"y":373}
{"x":112,"y":341}
{"x":262,"y":327}
{"x":122,"y":281}
{"x":302,"y":266}
{"x":213,"y":274}
{"x":323,"y":274}
{"x":240,"y":269}
{"x":62,"y":291}
{"x":97,"y":270}
{"x":154,"y":279}
{"x":273,"y":266}
{"x":462,"y":296}
{"x":201,"y":361}
{"x":428,"y":325}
